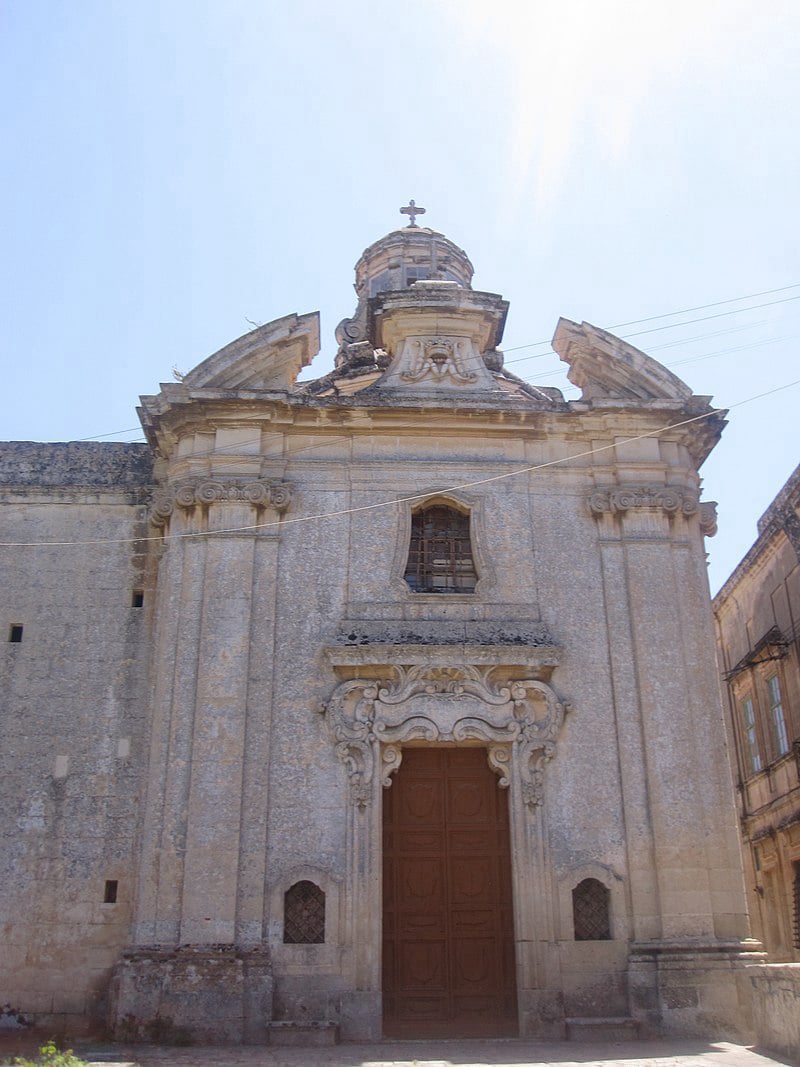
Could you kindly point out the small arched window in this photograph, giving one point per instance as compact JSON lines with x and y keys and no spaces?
{"x":590,"y":911}
{"x":440,"y":555}
{"x":304,"y":915}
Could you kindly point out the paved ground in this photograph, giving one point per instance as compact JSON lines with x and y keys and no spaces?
{"x":477,"y":1053}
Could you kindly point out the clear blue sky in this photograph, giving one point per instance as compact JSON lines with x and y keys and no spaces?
{"x":172,"y":169}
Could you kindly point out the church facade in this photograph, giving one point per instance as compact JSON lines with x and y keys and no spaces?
{"x":384,"y":703}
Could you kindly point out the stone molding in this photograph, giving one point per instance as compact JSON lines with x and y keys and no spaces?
{"x":369,"y":720}
{"x":204,"y":491}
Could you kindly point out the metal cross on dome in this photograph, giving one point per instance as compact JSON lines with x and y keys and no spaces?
{"x":412,"y":210}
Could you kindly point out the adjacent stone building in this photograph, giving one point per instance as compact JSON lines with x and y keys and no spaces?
{"x":384,"y":702}
{"x":758,"y":627}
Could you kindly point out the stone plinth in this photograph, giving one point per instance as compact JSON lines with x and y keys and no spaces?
{"x":205,"y":995}
{"x":693,"y":988}
{"x":775,"y":991}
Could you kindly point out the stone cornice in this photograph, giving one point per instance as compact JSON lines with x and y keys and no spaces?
{"x":77,"y":494}
{"x":602,"y":365}
{"x":394,"y":315}
{"x":780,"y":520}
{"x":541,"y":661}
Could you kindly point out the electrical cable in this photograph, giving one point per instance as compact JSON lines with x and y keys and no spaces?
{"x":657,"y":329}
{"x":403,"y":499}
{"x":291,"y":452}
{"x":619,"y":325}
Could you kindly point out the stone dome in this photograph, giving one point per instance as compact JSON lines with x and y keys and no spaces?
{"x":408,"y":255}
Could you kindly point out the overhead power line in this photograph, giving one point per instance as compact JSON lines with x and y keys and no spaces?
{"x":320,"y":516}
{"x":619,"y":325}
{"x":672,"y":314}
{"x":531,"y":380}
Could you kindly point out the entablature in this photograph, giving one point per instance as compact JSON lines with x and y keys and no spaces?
{"x":262,"y":416}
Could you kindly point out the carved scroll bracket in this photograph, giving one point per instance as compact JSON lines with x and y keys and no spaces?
{"x":370,"y":720}
{"x":207,"y":491}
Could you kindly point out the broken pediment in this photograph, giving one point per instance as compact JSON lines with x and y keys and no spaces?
{"x":606,"y":367}
{"x":269,"y":357}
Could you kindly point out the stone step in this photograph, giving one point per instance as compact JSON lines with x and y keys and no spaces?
{"x":602,"y":1029}
{"x":302,"y":1035}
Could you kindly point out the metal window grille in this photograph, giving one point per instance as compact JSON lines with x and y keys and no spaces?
{"x":440,"y":555}
{"x":749,"y":716}
{"x":304,"y":915}
{"x":779,"y":734}
{"x":590,"y":911}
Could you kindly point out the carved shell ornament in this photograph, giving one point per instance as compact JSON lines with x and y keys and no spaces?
{"x":438,"y":358}
{"x":370,"y":719}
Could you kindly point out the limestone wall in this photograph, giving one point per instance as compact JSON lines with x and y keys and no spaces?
{"x":776,"y":1007}
{"x":72,"y":697}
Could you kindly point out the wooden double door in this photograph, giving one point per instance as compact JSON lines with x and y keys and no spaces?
{"x":448,"y":944}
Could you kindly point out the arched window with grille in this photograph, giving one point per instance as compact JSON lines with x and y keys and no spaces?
{"x":440,"y":556}
{"x":590,"y":911}
{"x":304,"y":914}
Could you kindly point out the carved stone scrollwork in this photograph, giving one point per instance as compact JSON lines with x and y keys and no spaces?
{"x":519,"y":720}
{"x":259,"y":494}
{"x":161,"y":508}
{"x":351,"y":331}
{"x":669,"y":498}
{"x":391,"y":758}
{"x":500,"y":762}
{"x":708,"y":518}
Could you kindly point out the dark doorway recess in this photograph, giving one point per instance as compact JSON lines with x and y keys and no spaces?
{"x":448,"y":944}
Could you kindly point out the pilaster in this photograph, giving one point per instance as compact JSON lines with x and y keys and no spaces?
{"x":200,"y":906}
{"x":686,"y":889}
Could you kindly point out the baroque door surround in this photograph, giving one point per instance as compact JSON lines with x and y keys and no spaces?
{"x":497,"y":697}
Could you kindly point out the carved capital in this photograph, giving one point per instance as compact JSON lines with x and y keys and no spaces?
{"x":205,"y":491}
{"x":616,"y":499}
{"x":370,"y":719}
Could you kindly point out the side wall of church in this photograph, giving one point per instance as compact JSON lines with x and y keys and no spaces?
{"x":73,"y":690}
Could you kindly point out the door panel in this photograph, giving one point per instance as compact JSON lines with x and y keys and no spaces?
{"x":448,"y":952}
